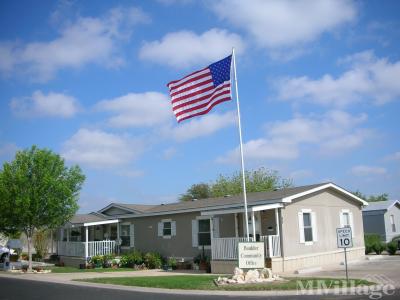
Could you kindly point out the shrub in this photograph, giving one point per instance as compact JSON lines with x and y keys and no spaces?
{"x":379,"y":247}
{"x":392,"y":248}
{"x":97,"y":260}
{"x":172,"y":263}
{"x":371,"y":240}
{"x":41,"y":243}
{"x":153,"y":260}
{"x":131,"y":259}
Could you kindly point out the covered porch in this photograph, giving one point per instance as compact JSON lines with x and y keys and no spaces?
{"x":264,"y":226}
{"x":85,"y":240}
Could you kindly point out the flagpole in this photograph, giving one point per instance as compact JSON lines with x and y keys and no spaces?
{"x":241,"y":145}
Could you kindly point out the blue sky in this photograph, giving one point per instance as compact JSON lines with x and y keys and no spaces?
{"x":318,"y":83}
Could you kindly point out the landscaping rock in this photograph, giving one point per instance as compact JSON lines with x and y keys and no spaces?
{"x":251,"y":276}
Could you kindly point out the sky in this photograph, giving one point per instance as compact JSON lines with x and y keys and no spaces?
{"x":318,"y":83}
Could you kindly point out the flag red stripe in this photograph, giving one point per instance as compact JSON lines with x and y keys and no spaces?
{"x":199,"y":92}
{"x":201,"y":76}
{"x":175,"y":81}
{"x":194,"y":86}
{"x":203,"y":105}
{"x":217,"y":90}
{"x":204,"y":111}
{"x":198,"y":95}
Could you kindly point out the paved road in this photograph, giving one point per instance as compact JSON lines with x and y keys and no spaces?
{"x":15,"y":289}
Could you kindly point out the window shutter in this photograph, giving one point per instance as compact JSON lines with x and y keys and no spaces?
{"x":160,"y":228}
{"x":352,"y":224}
{"x":195,"y":233}
{"x":314,"y":226}
{"x":173,"y":228}
{"x":216,"y":227}
{"x":301,"y":227}
{"x":132,"y":235}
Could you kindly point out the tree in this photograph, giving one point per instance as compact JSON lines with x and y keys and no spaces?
{"x":196,"y":191}
{"x":259,"y":180}
{"x":37,"y":192}
{"x":372,"y":198}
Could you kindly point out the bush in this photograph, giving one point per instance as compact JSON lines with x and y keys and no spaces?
{"x":153,"y":260}
{"x":392,"y":248}
{"x":371,"y":240}
{"x":97,"y":260}
{"x":41,"y":243}
{"x":131,"y":259}
{"x":172,"y":263}
{"x":379,"y":247}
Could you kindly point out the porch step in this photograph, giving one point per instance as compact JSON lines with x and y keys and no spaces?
{"x":308,"y":270}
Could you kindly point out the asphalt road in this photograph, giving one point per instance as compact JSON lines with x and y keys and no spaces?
{"x":15,"y":289}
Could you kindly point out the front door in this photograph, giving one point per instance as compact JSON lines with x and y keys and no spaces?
{"x":257,"y":224}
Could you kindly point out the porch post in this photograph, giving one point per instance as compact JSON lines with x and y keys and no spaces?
{"x":236,"y":225}
{"x":253,"y":225}
{"x":277,"y":222}
{"x":87,"y":243}
{"x":118,"y":238}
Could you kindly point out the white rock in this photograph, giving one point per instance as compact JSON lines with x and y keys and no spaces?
{"x":252,"y":275}
{"x":266,"y":273}
{"x":238,"y":277}
{"x":237,"y":271}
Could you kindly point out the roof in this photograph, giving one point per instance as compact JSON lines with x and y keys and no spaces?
{"x":381,"y":205}
{"x":87,"y":218}
{"x":285,"y":195}
{"x":252,"y":198}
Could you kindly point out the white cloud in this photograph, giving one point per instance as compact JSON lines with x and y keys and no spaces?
{"x":198,"y":127}
{"x":368,"y":78}
{"x":8,"y":149}
{"x":285,"y":23}
{"x":137,"y":110}
{"x":87,"y":40}
{"x":40,"y":104}
{"x":169,"y":153}
{"x":99,"y":149}
{"x":363,"y":170}
{"x":332,"y":133}
{"x":394,"y":156}
{"x":184,"y":49}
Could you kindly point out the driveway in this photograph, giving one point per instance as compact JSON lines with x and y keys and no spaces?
{"x":379,"y":270}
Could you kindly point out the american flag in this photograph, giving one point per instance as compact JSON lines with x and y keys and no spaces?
{"x":197,"y":93}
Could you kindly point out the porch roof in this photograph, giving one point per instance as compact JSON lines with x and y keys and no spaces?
{"x":90,"y":219}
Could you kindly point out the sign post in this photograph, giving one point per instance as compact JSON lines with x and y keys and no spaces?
{"x":344,"y":240}
{"x":251,"y":255}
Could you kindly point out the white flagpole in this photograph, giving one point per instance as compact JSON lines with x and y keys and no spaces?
{"x":241,"y":145}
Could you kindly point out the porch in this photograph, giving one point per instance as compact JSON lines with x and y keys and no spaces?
{"x":263,"y":223}
{"x":84,"y":240}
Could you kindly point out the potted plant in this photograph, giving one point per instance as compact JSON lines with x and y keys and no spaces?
{"x":203,"y":261}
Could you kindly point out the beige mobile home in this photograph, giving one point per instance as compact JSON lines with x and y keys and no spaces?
{"x":298,"y":226}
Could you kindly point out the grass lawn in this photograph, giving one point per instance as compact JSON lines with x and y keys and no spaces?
{"x":205,"y":282}
{"x":77,"y":270}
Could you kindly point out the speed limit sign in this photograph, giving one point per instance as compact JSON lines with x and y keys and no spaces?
{"x":344,"y":237}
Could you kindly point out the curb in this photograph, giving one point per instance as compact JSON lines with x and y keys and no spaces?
{"x":342,"y":291}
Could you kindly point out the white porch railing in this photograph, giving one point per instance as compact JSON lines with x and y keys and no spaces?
{"x":227,"y":248}
{"x":71,"y":249}
{"x":101,"y":248}
{"x":78,"y":248}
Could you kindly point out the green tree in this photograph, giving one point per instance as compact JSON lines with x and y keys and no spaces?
{"x":196,"y":191}
{"x":372,"y":198}
{"x":37,"y":192}
{"x":259,"y":180}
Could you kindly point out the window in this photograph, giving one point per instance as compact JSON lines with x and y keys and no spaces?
{"x":204,"y":234}
{"x":346,"y":219}
{"x":392,"y":223}
{"x":125,"y":236}
{"x":307,"y":226}
{"x":167,"y":228}
{"x":308,"y":232}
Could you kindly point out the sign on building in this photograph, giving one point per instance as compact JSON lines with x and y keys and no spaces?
{"x":344,"y":237}
{"x":251,"y":255}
